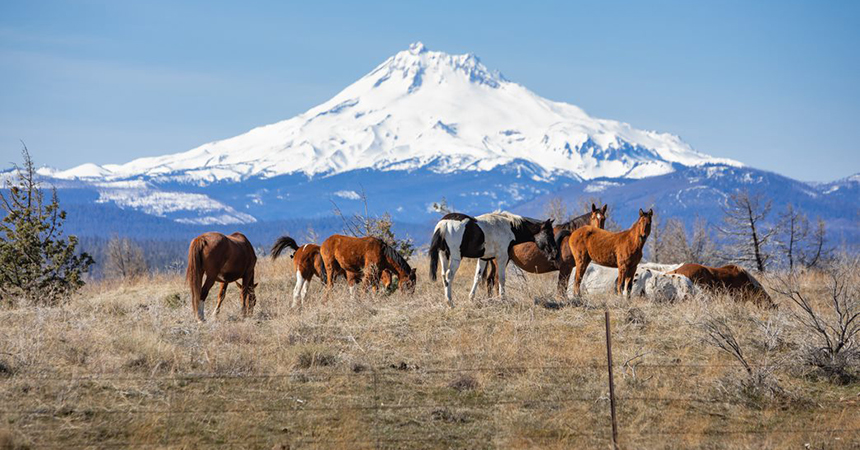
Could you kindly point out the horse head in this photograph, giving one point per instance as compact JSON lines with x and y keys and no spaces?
{"x":598,"y":216}
{"x":545,"y":240}
{"x":643,"y":225}
{"x":410,"y":281}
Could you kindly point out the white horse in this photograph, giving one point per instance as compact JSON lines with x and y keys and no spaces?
{"x":663,"y":287}
{"x":486,"y":237}
{"x":647,"y":281}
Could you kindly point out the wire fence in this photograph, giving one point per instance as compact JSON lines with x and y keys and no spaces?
{"x":374,"y":403}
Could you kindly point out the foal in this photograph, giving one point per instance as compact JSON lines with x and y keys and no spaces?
{"x":489,"y":236}
{"x":622,"y":250}
{"x":307,"y":262}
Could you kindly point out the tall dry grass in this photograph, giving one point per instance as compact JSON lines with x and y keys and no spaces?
{"x":127,"y":363}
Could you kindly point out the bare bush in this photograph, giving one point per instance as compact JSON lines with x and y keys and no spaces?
{"x":759,"y":385}
{"x":124,"y":259}
{"x":830,"y":320}
{"x":380,"y":227}
{"x":556,"y":209}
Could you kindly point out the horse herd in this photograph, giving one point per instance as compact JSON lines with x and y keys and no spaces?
{"x":494,"y":239}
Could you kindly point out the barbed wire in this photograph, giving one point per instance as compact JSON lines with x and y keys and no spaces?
{"x":115,"y":376}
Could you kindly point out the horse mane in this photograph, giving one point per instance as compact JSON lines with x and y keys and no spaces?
{"x":515,"y":220}
{"x":561,"y":235}
{"x":576,"y":222}
{"x":392,"y":255}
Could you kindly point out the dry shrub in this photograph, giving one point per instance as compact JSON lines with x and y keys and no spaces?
{"x":827,"y":314}
{"x":315,"y":358}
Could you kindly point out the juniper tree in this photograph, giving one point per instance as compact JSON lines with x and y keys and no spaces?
{"x":37,"y":263}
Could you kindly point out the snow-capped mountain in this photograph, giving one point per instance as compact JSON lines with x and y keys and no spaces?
{"x":423,"y":109}
{"x":421,"y":127}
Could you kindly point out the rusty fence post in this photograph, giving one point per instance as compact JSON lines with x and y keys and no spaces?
{"x":611,"y":382}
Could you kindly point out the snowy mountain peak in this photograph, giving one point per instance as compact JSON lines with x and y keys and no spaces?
{"x":423,"y":109}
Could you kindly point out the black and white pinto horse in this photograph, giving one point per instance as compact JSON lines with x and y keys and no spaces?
{"x":486,"y":237}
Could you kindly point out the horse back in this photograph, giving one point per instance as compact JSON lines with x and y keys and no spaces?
{"x":600,"y":245}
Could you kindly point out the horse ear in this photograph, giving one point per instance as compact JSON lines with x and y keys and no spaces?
{"x":549,"y":222}
{"x":650,"y":212}
{"x":641,"y":213}
{"x":593,"y":207}
{"x":604,"y":209}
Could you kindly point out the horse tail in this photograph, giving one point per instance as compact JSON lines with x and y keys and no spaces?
{"x":282,"y":243}
{"x":321,"y":268}
{"x":194,"y":273}
{"x":437,"y":244}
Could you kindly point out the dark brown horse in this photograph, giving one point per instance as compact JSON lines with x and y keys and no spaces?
{"x":306,"y":260}
{"x":367,"y":256}
{"x":527,"y":256}
{"x":622,"y":250}
{"x":731,"y":279}
{"x":225,"y":259}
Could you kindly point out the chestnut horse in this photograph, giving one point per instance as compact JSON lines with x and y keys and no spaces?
{"x":367,"y":256}
{"x":306,"y":260}
{"x":527,"y":256}
{"x":622,"y":250}
{"x":225,"y":259}
{"x":731,"y":278}
{"x":486,"y":237}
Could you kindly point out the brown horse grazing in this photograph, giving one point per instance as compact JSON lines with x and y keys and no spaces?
{"x":225,"y":259}
{"x":622,"y":250}
{"x":731,"y":278}
{"x":307,"y":262}
{"x":368,"y":256}
{"x":527,"y":256}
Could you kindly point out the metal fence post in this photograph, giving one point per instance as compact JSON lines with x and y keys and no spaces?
{"x":611,"y":382}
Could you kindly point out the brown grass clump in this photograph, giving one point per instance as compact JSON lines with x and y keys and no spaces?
{"x":127,"y":363}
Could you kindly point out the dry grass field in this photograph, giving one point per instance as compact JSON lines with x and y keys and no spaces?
{"x":125,"y":364}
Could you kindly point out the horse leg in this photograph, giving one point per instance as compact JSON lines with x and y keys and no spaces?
{"x":621,"y":281}
{"x":564,"y":277}
{"x":449,"y":278}
{"x":581,"y":265}
{"x":221,"y":294}
{"x":305,"y":289}
{"x":207,"y":285}
{"x":479,"y":274}
{"x":502,"y":263}
{"x":297,"y":289}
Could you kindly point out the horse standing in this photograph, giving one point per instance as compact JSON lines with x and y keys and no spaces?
{"x":367,"y":257}
{"x":622,"y":250}
{"x":225,"y":259}
{"x":486,"y":237}
{"x":731,"y":278}
{"x":527,"y":256}
{"x":307,"y":262}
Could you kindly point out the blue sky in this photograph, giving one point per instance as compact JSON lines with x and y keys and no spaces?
{"x":773,"y":84}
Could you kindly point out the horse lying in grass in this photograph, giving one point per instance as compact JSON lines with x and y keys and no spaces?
{"x":732,"y":279}
{"x":527,"y":256}
{"x":365,"y":257}
{"x":307,"y":262}
{"x":486,"y":237}
{"x":647,"y":282}
{"x":225,"y":259}
{"x":622,"y":250}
